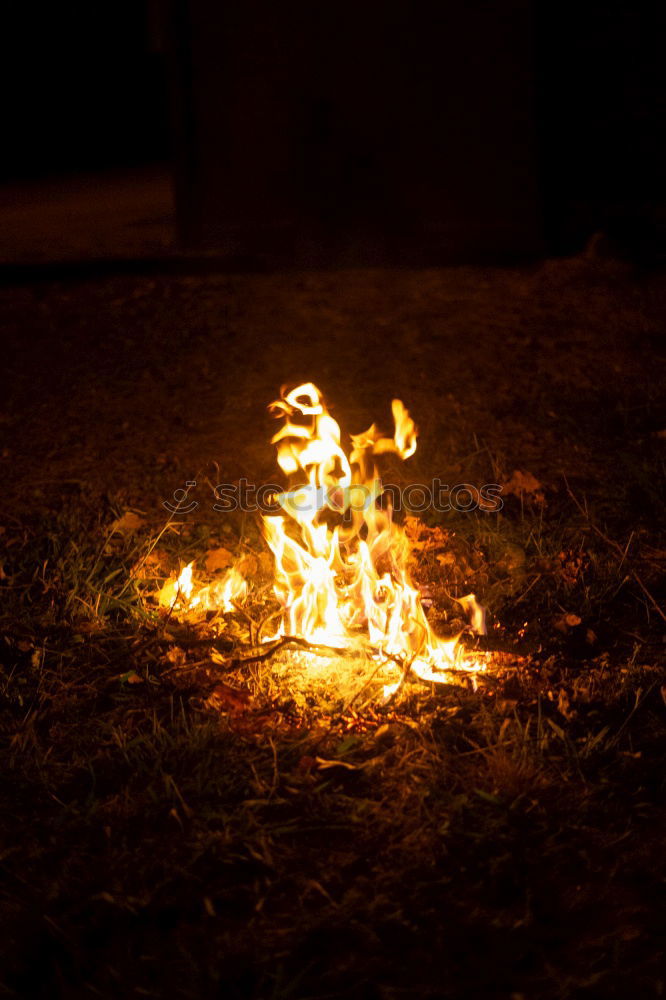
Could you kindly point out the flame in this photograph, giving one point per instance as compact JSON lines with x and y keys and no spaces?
{"x":341,"y":573}
{"x":177,"y":593}
{"x":222,"y":595}
{"x":341,"y":561}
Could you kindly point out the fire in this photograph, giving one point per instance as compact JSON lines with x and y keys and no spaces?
{"x":341,"y":572}
{"x":341,"y":560}
{"x":183,"y":594}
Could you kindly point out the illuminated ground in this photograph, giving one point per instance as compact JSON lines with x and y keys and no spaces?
{"x":181,"y":825}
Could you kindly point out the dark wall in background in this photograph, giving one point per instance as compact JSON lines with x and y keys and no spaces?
{"x":369,"y":130}
{"x":379,"y":129}
{"x":451,"y":130}
{"x":83,"y":86}
{"x":601,"y":115}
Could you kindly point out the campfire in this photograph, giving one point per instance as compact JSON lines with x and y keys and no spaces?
{"x":341,"y":559}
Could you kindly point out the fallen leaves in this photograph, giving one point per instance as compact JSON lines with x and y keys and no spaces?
{"x":176,"y":656}
{"x":128,"y":524}
{"x":524,"y":484}
{"x":218,"y":559}
{"x":423,"y":538}
{"x":130,"y":677}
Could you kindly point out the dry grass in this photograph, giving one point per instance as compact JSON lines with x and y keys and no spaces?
{"x":195,"y":825}
{"x":179,"y":823}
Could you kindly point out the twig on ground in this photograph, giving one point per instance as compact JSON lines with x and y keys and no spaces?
{"x":293,"y":640}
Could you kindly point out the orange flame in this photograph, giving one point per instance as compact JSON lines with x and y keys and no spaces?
{"x":222,"y":595}
{"x":340,"y":560}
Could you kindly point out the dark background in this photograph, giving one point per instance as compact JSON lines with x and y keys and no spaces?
{"x":84,"y":88}
{"x":166,"y":827}
{"x":429,"y":131}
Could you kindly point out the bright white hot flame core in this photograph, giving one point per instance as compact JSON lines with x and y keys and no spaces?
{"x":340,"y":560}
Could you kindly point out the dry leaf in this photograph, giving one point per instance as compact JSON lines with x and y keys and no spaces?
{"x":131,"y":677}
{"x":176,"y":656}
{"x":218,"y":559}
{"x":423,"y":538}
{"x":523,"y":483}
{"x":127,"y":524}
{"x":156,"y":560}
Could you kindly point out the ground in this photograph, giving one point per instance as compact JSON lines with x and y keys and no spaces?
{"x":179,"y":823}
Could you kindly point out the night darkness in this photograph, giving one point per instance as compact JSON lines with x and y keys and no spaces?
{"x":458,"y":205}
